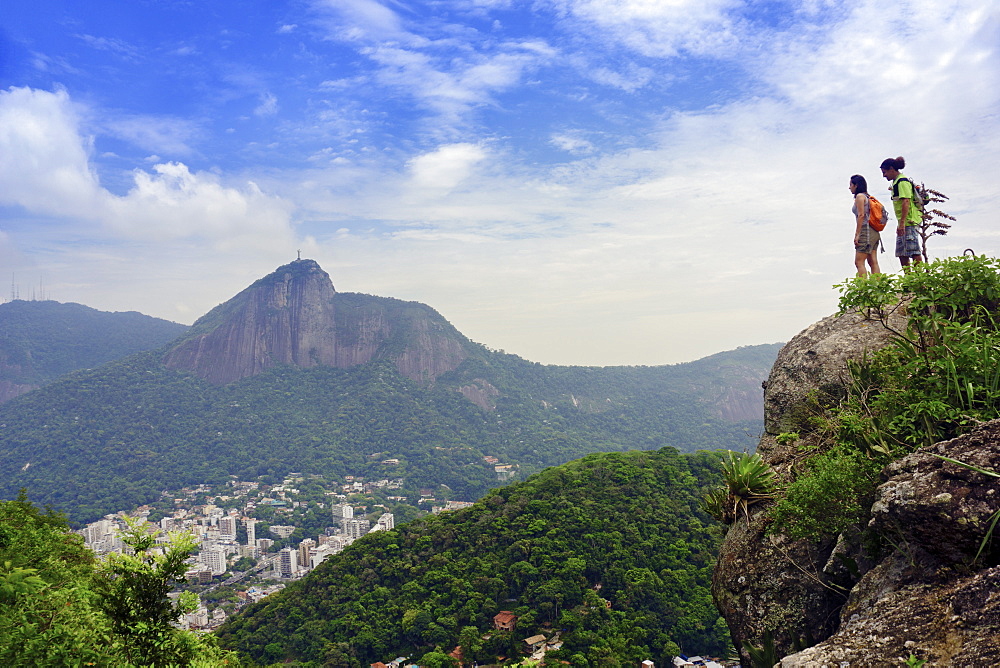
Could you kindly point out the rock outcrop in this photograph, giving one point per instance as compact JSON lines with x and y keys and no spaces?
{"x":295,"y":317}
{"x":930,"y":598}
{"x":9,"y":390}
{"x":927,"y":597}
{"x":790,"y":589}
{"x":481,"y":392}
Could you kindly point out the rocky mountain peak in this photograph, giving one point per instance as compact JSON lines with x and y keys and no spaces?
{"x":295,"y":316}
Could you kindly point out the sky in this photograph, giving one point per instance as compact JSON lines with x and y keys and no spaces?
{"x":587,"y":182}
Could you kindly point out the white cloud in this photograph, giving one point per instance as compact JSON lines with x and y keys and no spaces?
{"x":161,"y":134}
{"x":119,"y":47}
{"x":444,"y":168}
{"x":268,"y":105}
{"x":572,"y":143}
{"x":43,"y":159}
{"x":45,"y":168}
{"x":659,"y":28}
{"x":452,"y":74}
{"x":451,"y":85}
{"x":361,"y":20}
{"x":173,"y":203}
{"x":631,"y":80}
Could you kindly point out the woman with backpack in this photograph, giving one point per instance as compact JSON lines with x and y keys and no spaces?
{"x":866,"y":238}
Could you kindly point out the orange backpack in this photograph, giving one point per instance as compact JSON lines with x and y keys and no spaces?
{"x":877,"y":215}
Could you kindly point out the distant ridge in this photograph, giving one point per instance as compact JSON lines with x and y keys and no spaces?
{"x":43,"y":340}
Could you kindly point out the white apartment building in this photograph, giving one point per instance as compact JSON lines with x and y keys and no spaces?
{"x":288,"y":563}
{"x":318,"y":554}
{"x":214,"y":559}
{"x":227,"y":528}
{"x":342,"y":511}
{"x":356,"y":528}
{"x":282,"y":531}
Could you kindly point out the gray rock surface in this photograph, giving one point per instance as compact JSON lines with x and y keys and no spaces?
{"x":924,"y":595}
{"x":792,"y":589}
{"x":928,"y":597}
{"x":294,"y":316}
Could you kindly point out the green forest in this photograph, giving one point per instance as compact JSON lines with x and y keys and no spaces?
{"x":111,"y":438}
{"x":612,"y":551}
{"x":43,"y":340}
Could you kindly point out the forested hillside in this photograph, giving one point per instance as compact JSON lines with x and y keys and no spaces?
{"x":115,"y":437}
{"x":43,"y":340}
{"x":612,"y":550}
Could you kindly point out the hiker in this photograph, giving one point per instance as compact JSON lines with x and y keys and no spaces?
{"x":908,"y":217}
{"x":866,"y":238}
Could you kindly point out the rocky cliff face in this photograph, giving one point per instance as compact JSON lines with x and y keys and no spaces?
{"x":926,"y":597}
{"x":294,"y":316}
{"x":930,"y":598}
{"x":9,"y":390}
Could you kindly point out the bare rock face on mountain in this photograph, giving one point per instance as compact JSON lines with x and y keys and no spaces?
{"x":9,"y":390}
{"x":294,"y":316}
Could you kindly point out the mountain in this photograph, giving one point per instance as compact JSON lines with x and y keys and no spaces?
{"x":43,"y":340}
{"x":612,"y":550}
{"x":294,"y":316}
{"x":290,"y":375}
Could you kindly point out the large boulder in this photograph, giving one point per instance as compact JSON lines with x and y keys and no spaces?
{"x":811,"y":372}
{"x":929,"y":596}
{"x":793,"y":590}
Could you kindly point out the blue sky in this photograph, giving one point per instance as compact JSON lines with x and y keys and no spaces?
{"x":574,"y":181}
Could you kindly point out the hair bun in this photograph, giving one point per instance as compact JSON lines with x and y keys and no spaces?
{"x":901,"y":162}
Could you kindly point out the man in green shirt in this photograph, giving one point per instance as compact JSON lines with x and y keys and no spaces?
{"x":908,"y":217}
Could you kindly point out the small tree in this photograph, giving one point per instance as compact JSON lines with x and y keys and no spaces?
{"x":132,"y":590}
{"x":933,"y":219}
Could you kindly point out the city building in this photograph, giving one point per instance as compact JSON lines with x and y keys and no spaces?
{"x":342,"y":511}
{"x":356,"y":528}
{"x":227,"y":528}
{"x":288,"y":562}
{"x":214,"y":559}
{"x":282,"y":531}
{"x":304,"y":548}
{"x":321,"y":552}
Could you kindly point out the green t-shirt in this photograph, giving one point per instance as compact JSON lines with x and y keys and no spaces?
{"x":903,"y":189}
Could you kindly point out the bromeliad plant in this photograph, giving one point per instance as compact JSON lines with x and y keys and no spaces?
{"x":748,"y":480}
